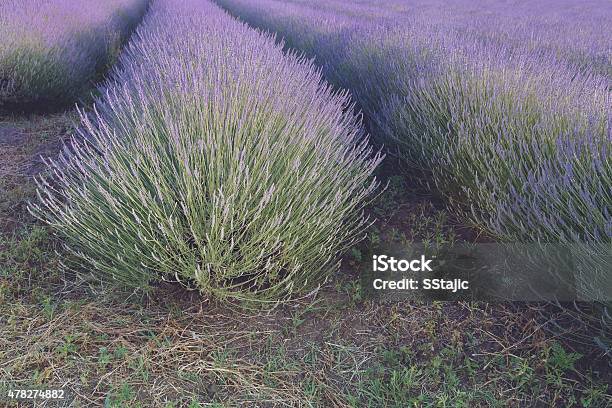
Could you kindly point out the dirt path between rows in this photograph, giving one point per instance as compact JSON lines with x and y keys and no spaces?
{"x":24,"y":143}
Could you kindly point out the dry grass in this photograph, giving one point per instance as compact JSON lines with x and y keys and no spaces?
{"x":319,"y":352}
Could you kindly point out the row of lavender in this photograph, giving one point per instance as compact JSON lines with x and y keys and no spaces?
{"x":569,"y":32}
{"x":214,"y":159}
{"x":52,"y":51}
{"x":516,"y":133}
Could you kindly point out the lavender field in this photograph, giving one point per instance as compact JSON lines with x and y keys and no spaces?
{"x":511,"y":122}
{"x":52,"y":52}
{"x":507,"y":110}
{"x":191,"y":191}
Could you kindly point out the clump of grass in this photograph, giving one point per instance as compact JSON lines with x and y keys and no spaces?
{"x":213,"y":158}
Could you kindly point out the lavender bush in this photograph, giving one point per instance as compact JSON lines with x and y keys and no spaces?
{"x":52,"y":51}
{"x":212,"y":158}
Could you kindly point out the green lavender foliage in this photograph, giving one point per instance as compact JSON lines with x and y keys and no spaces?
{"x":215,"y":159}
